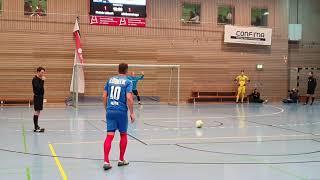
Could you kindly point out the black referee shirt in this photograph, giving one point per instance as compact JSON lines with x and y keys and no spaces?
{"x":37,"y":85}
{"x":312,"y":83}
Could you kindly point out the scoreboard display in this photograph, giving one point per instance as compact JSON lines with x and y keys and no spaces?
{"x":118,"y":8}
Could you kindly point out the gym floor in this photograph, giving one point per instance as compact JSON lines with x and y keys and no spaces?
{"x":237,"y":142}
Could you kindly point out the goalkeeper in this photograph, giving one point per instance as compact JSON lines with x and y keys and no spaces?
{"x":242,"y":81}
{"x":135,"y":79}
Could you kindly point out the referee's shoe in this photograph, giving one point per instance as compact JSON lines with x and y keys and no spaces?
{"x":39,"y":130}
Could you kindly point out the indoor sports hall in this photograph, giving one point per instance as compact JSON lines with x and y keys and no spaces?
{"x":159,"y":89}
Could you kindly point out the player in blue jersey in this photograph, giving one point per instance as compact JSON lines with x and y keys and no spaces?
{"x":135,"y":79}
{"x":117,"y":99}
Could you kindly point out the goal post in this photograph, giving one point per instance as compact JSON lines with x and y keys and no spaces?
{"x":299,"y":79}
{"x":161,"y":83}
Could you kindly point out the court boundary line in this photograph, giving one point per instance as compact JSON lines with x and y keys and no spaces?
{"x":137,"y":139}
{"x":287,"y":172}
{"x":230,"y":142}
{"x":182,"y":145}
{"x":165,"y":162}
{"x":212,"y":138}
{"x":58,"y":163}
{"x":231,"y":137}
{"x":219,"y":124}
{"x":280,"y":127}
{"x":168,"y":118}
{"x":281,"y":110}
{"x":247,"y":154}
{"x":187,"y":128}
{"x":316,"y":140}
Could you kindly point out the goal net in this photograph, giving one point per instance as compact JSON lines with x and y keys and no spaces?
{"x":299,"y":79}
{"x":160,"y":84}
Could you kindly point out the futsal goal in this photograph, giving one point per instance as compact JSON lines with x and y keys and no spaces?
{"x":160,"y":85}
{"x":299,"y":79}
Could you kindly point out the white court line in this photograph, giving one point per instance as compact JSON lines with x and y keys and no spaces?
{"x":90,"y":142}
{"x":281,"y":110}
{"x":62,"y":130}
{"x":235,"y":137}
{"x":177,"y":139}
{"x":213,"y":117}
{"x":84,"y":142}
{"x":58,"y":119}
{"x":176,"y":129}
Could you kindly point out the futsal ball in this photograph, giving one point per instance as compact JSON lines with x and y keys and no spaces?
{"x":199,"y":123}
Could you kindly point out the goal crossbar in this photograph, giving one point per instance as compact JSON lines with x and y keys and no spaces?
{"x":130,"y":65}
{"x":79,"y":65}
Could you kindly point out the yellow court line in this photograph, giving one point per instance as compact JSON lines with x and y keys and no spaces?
{"x":63,"y":174}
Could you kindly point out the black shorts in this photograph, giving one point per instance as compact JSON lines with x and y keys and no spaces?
{"x":38,"y":103}
{"x":135,"y":92}
{"x":310,"y":91}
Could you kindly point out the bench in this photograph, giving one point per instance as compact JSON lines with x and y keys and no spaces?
{"x":8,"y":100}
{"x":28,"y":101}
{"x":212,"y":96}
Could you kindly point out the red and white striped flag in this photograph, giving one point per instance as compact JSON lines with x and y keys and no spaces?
{"x":78,"y":58}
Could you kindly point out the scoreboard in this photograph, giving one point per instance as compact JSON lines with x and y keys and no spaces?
{"x":118,"y":8}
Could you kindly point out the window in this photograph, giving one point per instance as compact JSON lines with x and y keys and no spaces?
{"x":225,"y":15}
{"x":1,"y":7}
{"x":259,"y":16}
{"x":35,"y":7}
{"x":191,"y":13}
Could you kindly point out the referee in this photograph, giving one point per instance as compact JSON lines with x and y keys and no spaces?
{"x":38,"y":93}
{"x":312,"y":84}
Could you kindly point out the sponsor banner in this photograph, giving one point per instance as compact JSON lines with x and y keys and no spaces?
{"x":248,"y":35}
{"x":117,"y":21}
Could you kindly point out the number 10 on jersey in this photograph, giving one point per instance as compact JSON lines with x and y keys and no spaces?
{"x":115,"y":93}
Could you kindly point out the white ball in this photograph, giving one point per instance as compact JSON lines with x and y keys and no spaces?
{"x":199,"y":123}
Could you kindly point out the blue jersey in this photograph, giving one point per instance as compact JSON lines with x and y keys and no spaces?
{"x":135,"y":80}
{"x":117,"y":88}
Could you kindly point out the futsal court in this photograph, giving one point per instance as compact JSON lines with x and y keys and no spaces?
{"x":159,"y":90}
{"x":244,"y":141}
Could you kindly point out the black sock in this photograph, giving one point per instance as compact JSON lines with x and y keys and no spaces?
{"x":307,"y":101}
{"x":312,"y":100}
{"x":138,"y":97}
{"x":35,"y":121}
